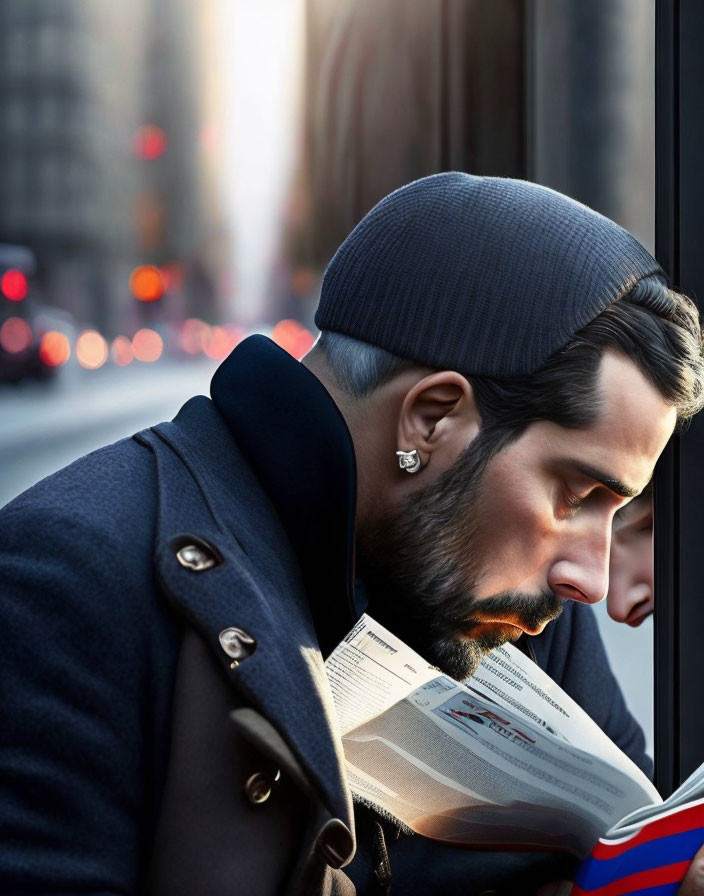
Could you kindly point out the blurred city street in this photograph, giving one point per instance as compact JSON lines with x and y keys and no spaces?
{"x":44,"y":426}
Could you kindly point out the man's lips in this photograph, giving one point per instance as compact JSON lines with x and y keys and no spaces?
{"x":523,"y":627}
{"x":513,"y":618}
{"x":471,"y":630}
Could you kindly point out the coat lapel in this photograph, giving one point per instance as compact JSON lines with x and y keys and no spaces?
{"x":206,"y":490}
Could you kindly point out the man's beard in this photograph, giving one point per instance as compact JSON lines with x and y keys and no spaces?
{"x":420,"y":566}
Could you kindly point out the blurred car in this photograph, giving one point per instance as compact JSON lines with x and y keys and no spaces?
{"x":23,"y":321}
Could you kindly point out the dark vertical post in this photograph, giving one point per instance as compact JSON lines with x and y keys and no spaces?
{"x":679,"y":620}
{"x":589,"y":74}
{"x":690,"y":235}
{"x":667,"y":475}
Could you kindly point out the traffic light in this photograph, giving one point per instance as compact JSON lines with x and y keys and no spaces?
{"x":13,"y":285}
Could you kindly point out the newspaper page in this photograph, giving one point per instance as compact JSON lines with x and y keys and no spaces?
{"x":370,"y":671}
{"x":462,"y":763}
{"x":513,"y":681}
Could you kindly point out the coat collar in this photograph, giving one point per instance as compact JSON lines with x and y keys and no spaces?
{"x":296,"y":441}
{"x":206,"y":489}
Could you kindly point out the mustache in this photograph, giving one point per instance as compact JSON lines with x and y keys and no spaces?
{"x":529,"y":611}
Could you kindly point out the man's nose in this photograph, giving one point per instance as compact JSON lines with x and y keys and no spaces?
{"x":626,"y":602}
{"x":581,"y":569}
{"x":630,"y":597}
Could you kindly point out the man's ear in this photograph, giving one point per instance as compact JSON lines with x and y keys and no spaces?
{"x":439,"y":416}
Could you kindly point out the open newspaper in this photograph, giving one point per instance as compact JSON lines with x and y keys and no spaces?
{"x":505,"y":759}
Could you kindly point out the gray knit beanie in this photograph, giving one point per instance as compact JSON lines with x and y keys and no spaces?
{"x":488,"y":276}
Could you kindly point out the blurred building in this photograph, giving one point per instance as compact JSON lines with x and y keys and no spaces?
{"x":556,"y":91}
{"x":112,"y":147}
{"x":179,"y":218}
{"x":68,"y":84}
{"x":395,"y":91}
{"x":591,"y":105}
{"x":83,"y":182}
{"x":399,"y":90}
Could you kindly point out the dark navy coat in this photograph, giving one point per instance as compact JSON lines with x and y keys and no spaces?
{"x":129,"y":753}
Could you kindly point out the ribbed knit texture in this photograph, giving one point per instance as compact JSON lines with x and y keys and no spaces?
{"x":488,"y":276}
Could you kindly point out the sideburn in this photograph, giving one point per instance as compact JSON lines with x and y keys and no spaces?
{"x":418,"y":562}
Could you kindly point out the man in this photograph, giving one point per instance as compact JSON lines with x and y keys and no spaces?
{"x":631,"y":591}
{"x":498,"y":372}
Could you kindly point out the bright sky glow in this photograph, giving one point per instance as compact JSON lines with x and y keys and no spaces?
{"x":261,"y":60}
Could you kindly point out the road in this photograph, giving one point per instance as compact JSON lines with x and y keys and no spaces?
{"x":45,"y":427}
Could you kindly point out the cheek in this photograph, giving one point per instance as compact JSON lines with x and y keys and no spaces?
{"x":518,"y":535}
{"x":517,"y":521}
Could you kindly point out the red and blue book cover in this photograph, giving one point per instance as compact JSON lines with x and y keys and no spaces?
{"x":650,"y":861}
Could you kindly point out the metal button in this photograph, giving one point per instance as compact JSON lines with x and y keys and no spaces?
{"x":257,"y":788}
{"x":237,"y":643}
{"x":335,"y":843}
{"x":196,"y":557}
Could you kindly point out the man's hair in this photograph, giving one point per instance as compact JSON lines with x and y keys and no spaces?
{"x":653,"y":325}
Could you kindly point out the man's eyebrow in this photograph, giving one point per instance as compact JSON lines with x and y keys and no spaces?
{"x":613,"y":484}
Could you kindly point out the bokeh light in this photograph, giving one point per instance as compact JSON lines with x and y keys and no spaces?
{"x":194,"y":336}
{"x":293,"y":338}
{"x":54,"y":349}
{"x":14,"y":285}
{"x":91,"y":350}
{"x":150,"y":142}
{"x":121,"y":351}
{"x":222,"y":340}
{"x":146,"y":283}
{"x":15,"y":335}
{"x":172,"y":276}
{"x":147,"y":345}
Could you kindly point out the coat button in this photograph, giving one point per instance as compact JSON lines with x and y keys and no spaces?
{"x":257,"y":788}
{"x":238,"y":644}
{"x":196,"y":557}
{"x":335,"y":843}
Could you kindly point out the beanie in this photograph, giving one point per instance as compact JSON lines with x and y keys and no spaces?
{"x":484,"y":275}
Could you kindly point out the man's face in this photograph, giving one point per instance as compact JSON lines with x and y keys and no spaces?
{"x":631,"y":592}
{"x":490,"y":550}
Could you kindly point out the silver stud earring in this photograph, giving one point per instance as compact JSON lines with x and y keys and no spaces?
{"x":409,"y":460}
